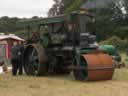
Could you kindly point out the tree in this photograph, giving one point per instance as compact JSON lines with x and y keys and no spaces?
{"x":55,"y":10}
{"x":111,"y":15}
{"x":110,"y":18}
{"x":64,"y":7}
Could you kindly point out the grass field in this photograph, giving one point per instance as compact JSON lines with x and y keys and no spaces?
{"x":63,"y":86}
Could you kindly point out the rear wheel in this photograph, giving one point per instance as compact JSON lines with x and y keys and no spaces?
{"x":35,"y":60}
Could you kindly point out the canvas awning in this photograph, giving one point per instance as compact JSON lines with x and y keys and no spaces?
{"x":3,"y":37}
{"x":41,"y":21}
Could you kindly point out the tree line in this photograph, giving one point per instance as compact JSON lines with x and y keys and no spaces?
{"x":10,"y":25}
{"x":111,"y":20}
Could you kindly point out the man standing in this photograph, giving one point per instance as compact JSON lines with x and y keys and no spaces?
{"x":17,"y":58}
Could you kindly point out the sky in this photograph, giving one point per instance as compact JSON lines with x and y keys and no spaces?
{"x":25,"y":8}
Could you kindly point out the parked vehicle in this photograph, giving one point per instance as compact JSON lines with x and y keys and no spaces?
{"x":62,"y":44}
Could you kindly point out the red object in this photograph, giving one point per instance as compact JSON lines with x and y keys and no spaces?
{"x":100,"y":66}
{"x":8,"y":42}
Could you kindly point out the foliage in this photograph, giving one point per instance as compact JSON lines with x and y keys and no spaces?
{"x":73,"y":7}
{"x":64,"y":7}
{"x":117,"y":42}
{"x":10,"y":25}
{"x":109,"y":21}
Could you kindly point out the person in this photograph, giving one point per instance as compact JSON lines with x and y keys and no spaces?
{"x":17,"y":59}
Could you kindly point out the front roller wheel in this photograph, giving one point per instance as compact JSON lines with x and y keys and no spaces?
{"x":35,"y":60}
{"x":97,"y":66}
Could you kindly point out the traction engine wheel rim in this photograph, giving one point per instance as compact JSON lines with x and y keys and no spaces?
{"x":35,"y":60}
{"x":80,"y":74}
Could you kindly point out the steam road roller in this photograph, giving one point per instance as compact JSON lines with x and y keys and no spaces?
{"x":62,"y":44}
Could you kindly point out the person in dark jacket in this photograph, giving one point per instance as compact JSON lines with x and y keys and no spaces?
{"x":17,"y":59}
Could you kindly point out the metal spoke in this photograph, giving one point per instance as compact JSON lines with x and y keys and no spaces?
{"x":33,"y":61}
{"x":33,"y":64}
